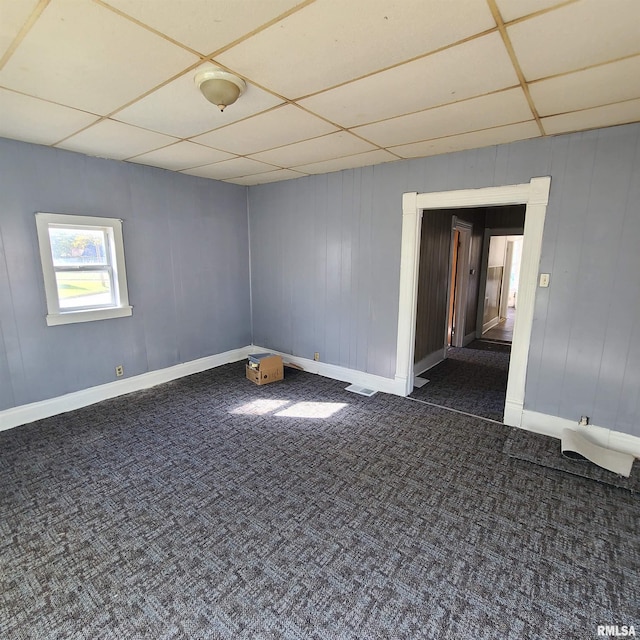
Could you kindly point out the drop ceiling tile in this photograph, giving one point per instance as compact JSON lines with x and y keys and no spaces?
{"x":110,"y":139}
{"x":607,"y":116}
{"x":576,"y":36}
{"x":85,"y":56}
{"x":282,"y":126}
{"x":593,"y":87}
{"x":32,"y":120}
{"x":473,"y":140}
{"x":179,"y":109}
{"x":338,"y":41}
{"x":349,"y":162}
{"x":271,"y":176}
{"x":234,"y":168}
{"x":182,"y":155}
{"x":512,"y":9}
{"x":218,"y":22}
{"x":496,"y":109}
{"x":470,"y":69}
{"x":330,"y":146}
{"x":13,"y":16}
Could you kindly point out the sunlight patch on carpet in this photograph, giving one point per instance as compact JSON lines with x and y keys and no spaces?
{"x":312,"y":410}
{"x":259,"y":407}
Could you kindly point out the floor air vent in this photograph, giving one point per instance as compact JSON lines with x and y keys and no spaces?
{"x":363,"y":391}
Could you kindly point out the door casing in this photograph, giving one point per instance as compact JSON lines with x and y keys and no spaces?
{"x":535,"y":196}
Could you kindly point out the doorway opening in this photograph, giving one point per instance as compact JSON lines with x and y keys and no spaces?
{"x":534,"y":195}
{"x":501,"y":285}
{"x":464,"y":277}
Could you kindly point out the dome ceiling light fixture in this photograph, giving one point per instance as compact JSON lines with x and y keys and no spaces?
{"x":220,"y":87}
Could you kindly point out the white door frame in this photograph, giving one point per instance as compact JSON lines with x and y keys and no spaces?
{"x":535,"y":195}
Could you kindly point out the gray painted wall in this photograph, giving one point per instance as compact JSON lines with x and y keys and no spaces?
{"x":186,"y":250}
{"x":325,"y":254}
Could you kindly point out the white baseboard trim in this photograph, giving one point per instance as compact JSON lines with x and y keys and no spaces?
{"x":24,"y":414}
{"x":513,"y":413}
{"x":429,"y":361}
{"x":489,"y":325}
{"x":470,"y":337}
{"x":553,"y":426}
{"x":378,"y":383}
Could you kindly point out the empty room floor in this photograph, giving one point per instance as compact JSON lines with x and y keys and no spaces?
{"x":210,"y":507}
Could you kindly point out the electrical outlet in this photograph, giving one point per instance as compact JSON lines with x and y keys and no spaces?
{"x":119,"y":371}
{"x":316,"y":356}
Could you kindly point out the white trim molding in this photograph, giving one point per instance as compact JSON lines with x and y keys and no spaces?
{"x":429,"y":361}
{"x":336,"y":372}
{"x":534,"y":195}
{"x":24,"y":414}
{"x":114,"y":263}
{"x":554,"y":426}
{"x":531,"y":421}
{"x":408,"y":297}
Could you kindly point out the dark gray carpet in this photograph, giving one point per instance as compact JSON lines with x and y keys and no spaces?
{"x":472,"y":379}
{"x":490,"y":345}
{"x":546,"y":451}
{"x":205,"y":508}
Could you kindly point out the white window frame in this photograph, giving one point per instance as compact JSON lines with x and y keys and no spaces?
{"x":113,"y":227}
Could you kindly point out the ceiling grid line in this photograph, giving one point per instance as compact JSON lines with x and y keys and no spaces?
{"x":156,"y":32}
{"x":514,"y":60}
{"x":402,"y":63}
{"x":266,"y":25}
{"x":33,"y":16}
{"x":329,"y":85}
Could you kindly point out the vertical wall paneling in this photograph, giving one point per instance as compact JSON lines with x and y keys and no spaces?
{"x":319,"y":257}
{"x":624,"y":396}
{"x":433,"y":283}
{"x":621,"y":355}
{"x":345,"y":188}
{"x":333,"y":268}
{"x":306,"y":234}
{"x":474,"y":217}
{"x":7,"y":326}
{"x":601,"y":330}
{"x":473,"y":301}
{"x":341,"y":247}
{"x":363,"y":326}
{"x":434,"y":278}
{"x":186,"y":249}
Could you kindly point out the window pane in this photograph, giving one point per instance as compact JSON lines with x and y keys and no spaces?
{"x":75,"y":247}
{"x":84,"y":289}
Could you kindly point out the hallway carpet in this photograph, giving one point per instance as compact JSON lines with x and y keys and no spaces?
{"x":472,"y":379}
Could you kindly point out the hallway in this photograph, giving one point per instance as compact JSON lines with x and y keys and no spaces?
{"x":472,"y":379}
{"x":503,"y":331}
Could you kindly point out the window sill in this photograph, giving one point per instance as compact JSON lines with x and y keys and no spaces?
{"x":70,"y":317}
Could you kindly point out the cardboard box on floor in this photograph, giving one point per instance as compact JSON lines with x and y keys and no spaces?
{"x":269,"y":369}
